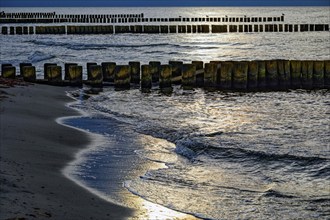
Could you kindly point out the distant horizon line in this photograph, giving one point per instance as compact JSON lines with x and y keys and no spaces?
{"x":160,"y":6}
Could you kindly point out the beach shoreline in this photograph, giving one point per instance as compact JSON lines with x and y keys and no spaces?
{"x":35,"y":149}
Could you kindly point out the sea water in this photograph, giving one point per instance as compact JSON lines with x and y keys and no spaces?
{"x":214,"y":155}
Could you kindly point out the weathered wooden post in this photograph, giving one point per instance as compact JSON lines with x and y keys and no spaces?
{"x":54,"y":74}
{"x":210,"y":76}
{"x":66,"y":70}
{"x":155,"y":70}
{"x":327,"y":74}
{"x":21,"y":65}
{"x":108,"y":70}
{"x":4,"y":30}
{"x":165,"y":79}
{"x":199,"y":72}
{"x":19,"y":30}
{"x":271,"y":74}
{"x":146,"y":78}
{"x":252,"y":75}
{"x":176,"y":71}
{"x":164,"y":29}
{"x":11,"y":30}
{"x":74,"y":75}
{"x":295,"y":74}
{"x":318,"y":75}
{"x":96,"y":77}
{"x":226,"y":73}
{"x":188,"y":76}
{"x":135,"y":72}
{"x":29,"y":73}
{"x":173,"y":29}
{"x":262,"y":75}
{"x":307,"y":74}
{"x":8,"y":71}
{"x":240,"y":75}
{"x":284,"y":75}
{"x":122,"y":77}
{"x":89,"y":69}
{"x":46,"y":73}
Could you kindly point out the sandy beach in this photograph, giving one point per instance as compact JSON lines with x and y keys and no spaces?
{"x":34,"y":150}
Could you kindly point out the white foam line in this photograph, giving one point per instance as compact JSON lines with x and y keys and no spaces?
{"x":78,"y":157}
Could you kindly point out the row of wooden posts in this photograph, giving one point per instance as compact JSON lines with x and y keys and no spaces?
{"x":224,"y":75}
{"x":162,"y":29}
{"x":35,"y":15}
{"x":132,"y":18}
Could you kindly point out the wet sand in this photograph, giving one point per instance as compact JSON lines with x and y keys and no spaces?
{"x":33,"y":151}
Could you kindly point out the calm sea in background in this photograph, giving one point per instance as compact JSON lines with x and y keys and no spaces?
{"x":214,"y":155}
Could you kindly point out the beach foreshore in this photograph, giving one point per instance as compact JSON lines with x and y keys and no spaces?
{"x":34,"y":149}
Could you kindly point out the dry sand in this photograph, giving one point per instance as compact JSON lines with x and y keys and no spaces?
{"x":33,"y":151}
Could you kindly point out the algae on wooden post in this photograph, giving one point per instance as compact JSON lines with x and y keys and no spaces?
{"x":108,"y":70}
{"x":122,"y":77}
{"x":75,"y":75}
{"x":8,"y":71}
{"x":96,"y":76}
{"x":46,"y":65}
{"x":29,"y":73}
{"x":54,"y":74}
{"x":66,"y":70}
{"x":165,"y":78}
{"x":21,"y":65}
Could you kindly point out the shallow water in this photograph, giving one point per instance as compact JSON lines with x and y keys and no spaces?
{"x":261,"y":155}
{"x":214,"y":155}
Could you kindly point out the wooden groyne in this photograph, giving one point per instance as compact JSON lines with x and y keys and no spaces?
{"x":52,"y":17}
{"x":258,"y":75}
{"x":161,"y":29}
